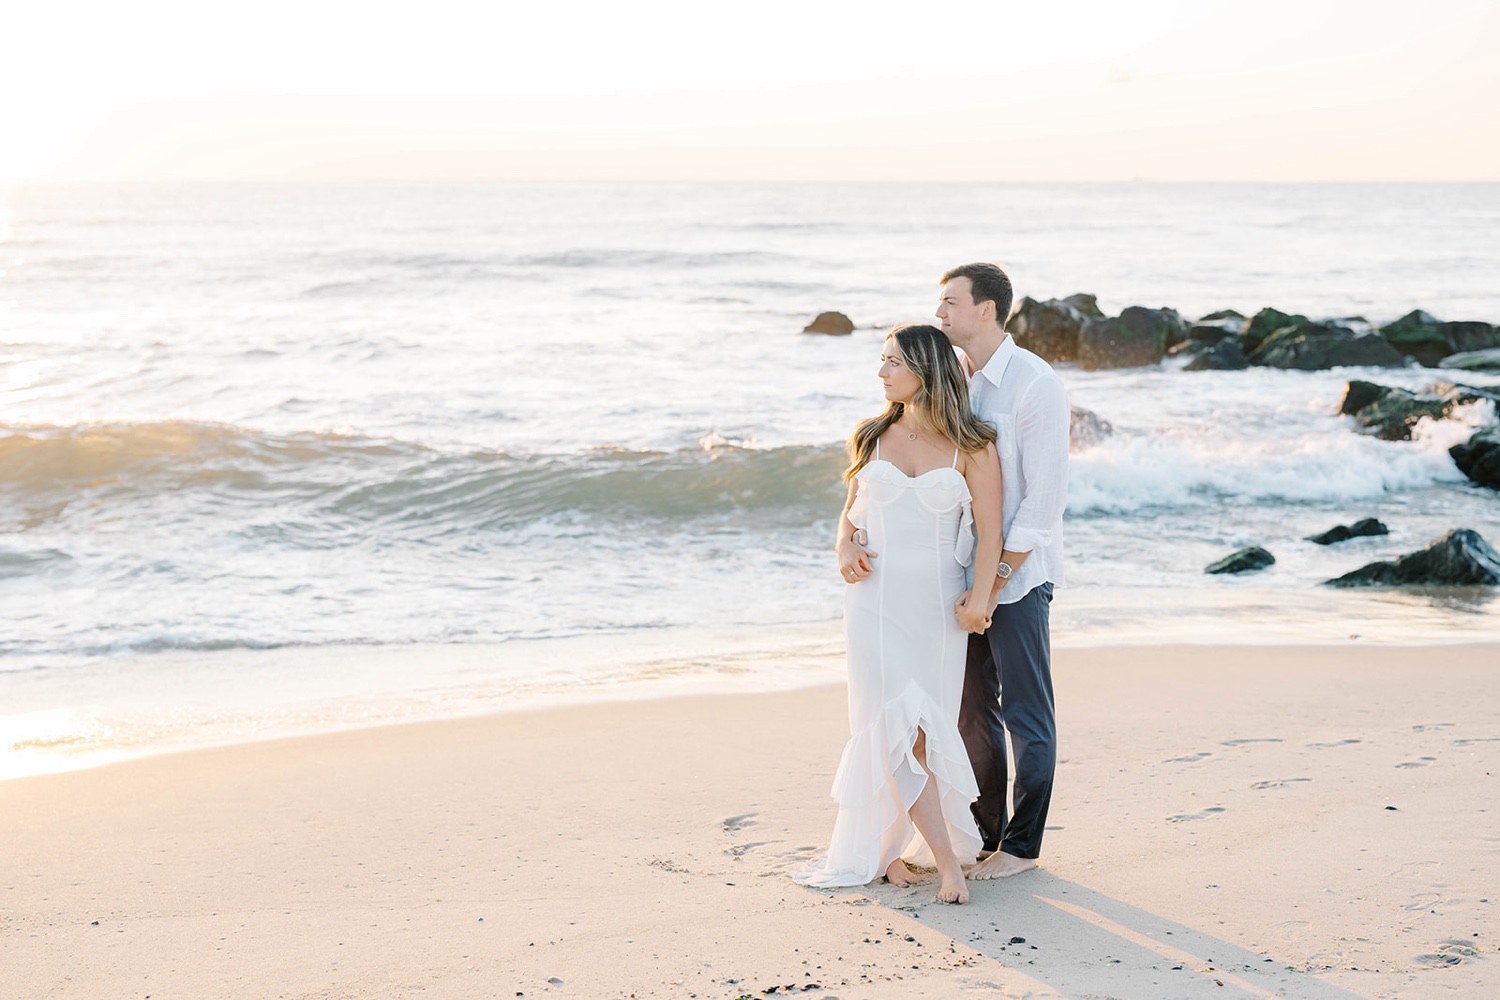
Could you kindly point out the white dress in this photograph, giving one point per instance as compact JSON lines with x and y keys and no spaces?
{"x":906,"y":670}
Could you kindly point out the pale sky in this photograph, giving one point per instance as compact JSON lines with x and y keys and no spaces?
{"x":777,"y":90}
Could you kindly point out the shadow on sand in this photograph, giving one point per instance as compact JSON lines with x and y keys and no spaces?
{"x":1102,"y":940}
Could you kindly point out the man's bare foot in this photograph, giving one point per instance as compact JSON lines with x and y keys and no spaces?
{"x":1001,"y":865}
{"x":953,"y":889}
{"x":898,"y":874}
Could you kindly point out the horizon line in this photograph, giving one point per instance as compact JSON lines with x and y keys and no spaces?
{"x":284,"y":179}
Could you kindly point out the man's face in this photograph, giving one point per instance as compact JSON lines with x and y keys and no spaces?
{"x":961,"y":319}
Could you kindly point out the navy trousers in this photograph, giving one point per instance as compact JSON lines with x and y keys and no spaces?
{"x":1008,"y":687}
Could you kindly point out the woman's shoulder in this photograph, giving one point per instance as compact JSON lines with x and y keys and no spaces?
{"x":980,"y":455}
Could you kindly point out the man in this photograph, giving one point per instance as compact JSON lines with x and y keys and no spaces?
{"x":1008,"y":685}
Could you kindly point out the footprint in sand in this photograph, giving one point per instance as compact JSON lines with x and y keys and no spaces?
{"x":1431,"y":726}
{"x":1278,"y":783}
{"x":740,"y":850}
{"x":1190,"y":758}
{"x":1423,"y":901}
{"x":1240,"y":743}
{"x":1329,"y":746}
{"x":1450,"y":952}
{"x":735,"y":824}
{"x":1420,"y":762}
{"x":1476,"y":739}
{"x":1202,"y":814}
{"x":1412,"y":868}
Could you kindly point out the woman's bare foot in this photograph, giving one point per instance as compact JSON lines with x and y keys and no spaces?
{"x":954,"y":889}
{"x":1001,"y":865}
{"x":898,"y":874}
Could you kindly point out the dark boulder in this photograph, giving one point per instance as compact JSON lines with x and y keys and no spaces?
{"x":1267,"y":322}
{"x":1469,"y":336}
{"x":1474,"y":361}
{"x":1214,"y":330}
{"x":1086,"y":429}
{"x":1086,"y":304}
{"x":1344,"y":532}
{"x":1479,"y":457}
{"x":1049,"y":328}
{"x":1174,"y":327}
{"x":1359,"y":394}
{"x":1393,"y":415}
{"x":1458,"y":559}
{"x":835,"y":323}
{"x":1222,"y":314}
{"x":1253,"y":557}
{"x":1138,"y":336}
{"x":1418,"y":334}
{"x":1414,"y":321}
{"x":1226,"y":355}
{"x":1319,"y":346}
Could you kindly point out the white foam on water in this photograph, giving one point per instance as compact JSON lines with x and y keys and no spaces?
{"x":1184,"y":468}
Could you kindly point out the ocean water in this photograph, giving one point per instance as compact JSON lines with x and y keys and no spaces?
{"x":288,"y":457}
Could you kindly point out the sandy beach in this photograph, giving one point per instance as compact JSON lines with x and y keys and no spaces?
{"x":1302,"y":822}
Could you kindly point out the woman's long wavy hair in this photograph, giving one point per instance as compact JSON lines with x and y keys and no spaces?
{"x":941,"y":403}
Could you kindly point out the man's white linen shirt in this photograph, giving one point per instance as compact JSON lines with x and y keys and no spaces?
{"x":1019,"y":395}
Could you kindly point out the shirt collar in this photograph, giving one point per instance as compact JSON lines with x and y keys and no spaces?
{"x":994,"y":369}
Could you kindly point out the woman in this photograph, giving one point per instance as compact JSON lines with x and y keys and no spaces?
{"x":924,"y":479}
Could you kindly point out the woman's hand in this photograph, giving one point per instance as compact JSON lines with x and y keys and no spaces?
{"x":971,"y":619}
{"x":855,"y":561}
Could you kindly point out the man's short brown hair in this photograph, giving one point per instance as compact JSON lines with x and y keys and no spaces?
{"x":988,"y":284}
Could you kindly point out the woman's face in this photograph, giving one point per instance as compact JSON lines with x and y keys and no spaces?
{"x":900,"y":384}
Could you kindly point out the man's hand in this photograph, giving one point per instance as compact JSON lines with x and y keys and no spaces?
{"x":855,"y":561}
{"x":970,"y":619}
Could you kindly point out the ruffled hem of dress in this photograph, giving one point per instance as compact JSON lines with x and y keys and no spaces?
{"x":879,"y":779}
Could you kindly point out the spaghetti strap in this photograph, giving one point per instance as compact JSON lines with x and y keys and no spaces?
{"x":877,"y":449}
{"x":955,"y":458}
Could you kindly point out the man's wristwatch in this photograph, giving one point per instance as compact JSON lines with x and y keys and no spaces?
{"x":1003,"y":571}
